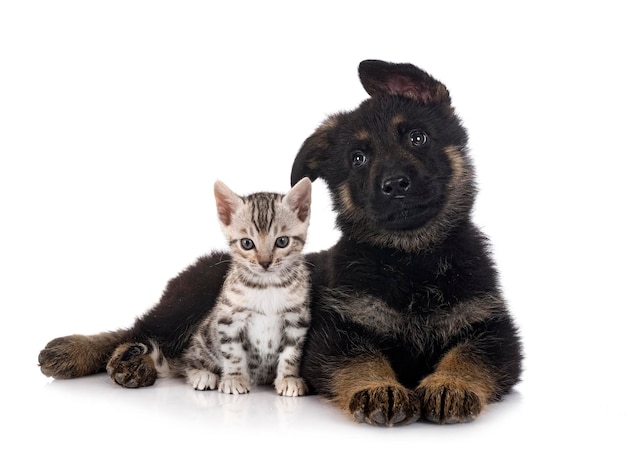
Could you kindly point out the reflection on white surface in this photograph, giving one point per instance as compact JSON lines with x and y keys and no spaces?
{"x":93,"y":416}
{"x":173,"y":416}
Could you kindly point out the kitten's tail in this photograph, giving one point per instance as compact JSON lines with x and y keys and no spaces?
{"x":80,"y":355}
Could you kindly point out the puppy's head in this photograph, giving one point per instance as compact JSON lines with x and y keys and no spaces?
{"x":396,"y":166}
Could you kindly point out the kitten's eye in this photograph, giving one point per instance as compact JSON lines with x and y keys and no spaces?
{"x":247,"y":244}
{"x":418,"y":138}
{"x":282,"y":241}
{"x":358,"y":159}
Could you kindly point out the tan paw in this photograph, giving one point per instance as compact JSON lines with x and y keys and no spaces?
{"x":131,"y":366}
{"x":448,"y":400}
{"x":385,"y":405}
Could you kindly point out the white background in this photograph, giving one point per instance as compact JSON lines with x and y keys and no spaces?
{"x":117,"y":117}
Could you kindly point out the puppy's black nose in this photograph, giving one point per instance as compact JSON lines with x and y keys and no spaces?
{"x":395,"y":186}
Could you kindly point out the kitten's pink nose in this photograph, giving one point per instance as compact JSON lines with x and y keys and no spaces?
{"x":265,"y":264}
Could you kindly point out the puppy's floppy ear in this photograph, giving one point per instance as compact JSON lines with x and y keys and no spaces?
{"x":313,"y":153}
{"x":404,"y":79}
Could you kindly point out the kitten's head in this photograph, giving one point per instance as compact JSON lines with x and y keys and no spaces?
{"x":265,"y":231}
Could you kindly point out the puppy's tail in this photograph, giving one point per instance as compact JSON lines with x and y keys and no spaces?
{"x":80,"y":355}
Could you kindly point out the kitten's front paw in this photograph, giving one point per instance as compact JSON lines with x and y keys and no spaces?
{"x":202,"y":379}
{"x":131,"y":366}
{"x":234,"y":385}
{"x":290,"y":387}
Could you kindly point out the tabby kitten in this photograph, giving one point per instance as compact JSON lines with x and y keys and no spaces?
{"x":255,"y":332}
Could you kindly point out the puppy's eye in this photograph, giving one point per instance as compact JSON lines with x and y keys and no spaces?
{"x":418,"y":138}
{"x":282,"y":241}
{"x":247,"y":244}
{"x":358,"y":159}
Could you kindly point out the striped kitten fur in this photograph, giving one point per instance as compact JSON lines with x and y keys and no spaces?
{"x":255,"y":332}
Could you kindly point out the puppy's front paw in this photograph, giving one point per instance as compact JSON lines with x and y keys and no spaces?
{"x":447,"y":400}
{"x":290,"y":386}
{"x":234,"y":385}
{"x":385,"y":405}
{"x":131,"y":366}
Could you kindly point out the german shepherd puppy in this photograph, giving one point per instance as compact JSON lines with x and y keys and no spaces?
{"x":408,"y":318}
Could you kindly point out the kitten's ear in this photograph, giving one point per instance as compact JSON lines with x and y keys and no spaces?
{"x":298,"y":199}
{"x":404,"y":79}
{"x":227,"y":202}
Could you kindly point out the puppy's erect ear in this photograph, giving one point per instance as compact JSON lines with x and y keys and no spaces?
{"x":404,"y":79}
{"x":313,"y":153}
{"x":227,"y":202}
{"x":298,"y":199}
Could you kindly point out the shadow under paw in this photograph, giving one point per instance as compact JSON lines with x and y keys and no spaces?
{"x":131,"y":366}
{"x":385,"y":405}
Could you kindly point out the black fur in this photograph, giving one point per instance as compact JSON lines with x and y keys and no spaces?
{"x":408,"y":243}
{"x":408,"y":317}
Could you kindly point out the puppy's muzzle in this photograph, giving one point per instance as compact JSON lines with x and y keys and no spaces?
{"x":395,"y":186}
